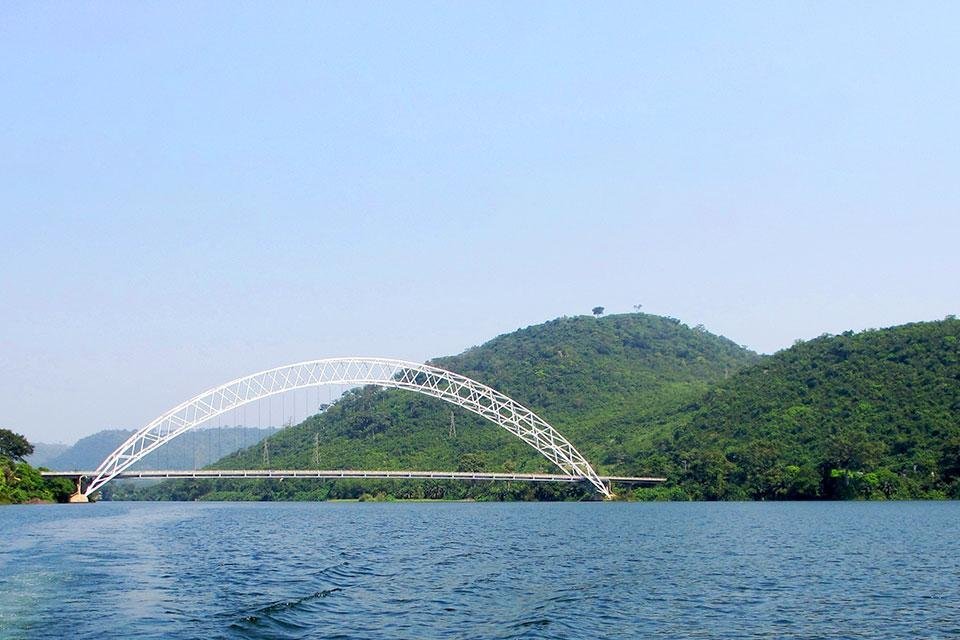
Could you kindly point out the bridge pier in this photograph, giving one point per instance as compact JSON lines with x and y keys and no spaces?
{"x":610,"y":494}
{"x":79,"y":497}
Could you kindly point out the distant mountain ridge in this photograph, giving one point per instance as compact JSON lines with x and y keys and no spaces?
{"x":44,"y":452}
{"x":191,"y":450}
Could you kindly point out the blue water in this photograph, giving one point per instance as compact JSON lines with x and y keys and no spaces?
{"x":588,"y":570}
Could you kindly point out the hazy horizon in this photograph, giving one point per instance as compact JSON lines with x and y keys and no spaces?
{"x":197,"y":192}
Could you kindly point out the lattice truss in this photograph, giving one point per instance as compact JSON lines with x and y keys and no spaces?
{"x":421,"y":378}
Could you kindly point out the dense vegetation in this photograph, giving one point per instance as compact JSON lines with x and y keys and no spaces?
{"x":20,"y":482}
{"x":868,"y":415}
{"x":871,"y":415}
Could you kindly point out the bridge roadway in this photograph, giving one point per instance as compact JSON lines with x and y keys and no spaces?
{"x":355,"y":473}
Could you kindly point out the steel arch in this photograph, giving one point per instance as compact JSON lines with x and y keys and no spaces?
{"x":386,"y":372}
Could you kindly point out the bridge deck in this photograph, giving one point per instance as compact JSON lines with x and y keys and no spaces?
{"x":354,"y":473}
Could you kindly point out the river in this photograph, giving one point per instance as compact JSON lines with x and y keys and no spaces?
{"x":465,"y":570}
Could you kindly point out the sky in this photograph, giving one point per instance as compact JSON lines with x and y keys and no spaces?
{"x":190,"y":192}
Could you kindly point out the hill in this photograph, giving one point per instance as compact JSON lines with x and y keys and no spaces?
{"x":191,"y":450}
{"x":606,"y":383}
{"x":44,"y":452}
{"x":874,"y":414}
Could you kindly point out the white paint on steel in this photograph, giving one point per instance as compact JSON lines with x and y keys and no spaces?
{"x":421,"y":378}
{"x":480,"y":476}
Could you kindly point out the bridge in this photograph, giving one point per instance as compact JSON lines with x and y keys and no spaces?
{"x":347,"y":474}
{"x":425,"y":379}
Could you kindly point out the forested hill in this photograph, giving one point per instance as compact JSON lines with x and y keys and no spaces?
{"x":868,"y":415}
{"x":606,"y":383}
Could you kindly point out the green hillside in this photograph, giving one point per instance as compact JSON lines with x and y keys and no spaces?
{"x":868,"y":415}
{"x":606,"y":383}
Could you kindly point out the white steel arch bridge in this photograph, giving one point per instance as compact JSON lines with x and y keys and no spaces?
{"x":385,"y":372}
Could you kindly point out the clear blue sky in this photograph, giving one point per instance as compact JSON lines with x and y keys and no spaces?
{"x":191,"y":192}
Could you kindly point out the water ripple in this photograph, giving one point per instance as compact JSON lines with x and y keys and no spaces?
{"x":285,"y":571}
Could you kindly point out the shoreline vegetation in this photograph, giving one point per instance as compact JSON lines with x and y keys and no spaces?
{"x":872,"y":415}
{"x":21,"y":483}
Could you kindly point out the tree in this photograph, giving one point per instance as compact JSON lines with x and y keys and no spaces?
{"x":598,"y":311}
{"x":950,"y":461}
{"x":471,"y":462}
{"x":13,"y":445}
{"x":637,"y":307}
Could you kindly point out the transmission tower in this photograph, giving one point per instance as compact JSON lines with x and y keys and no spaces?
{"x":266,"y":454}
{"x":453,"y":426}
{"x":316,"y":451}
